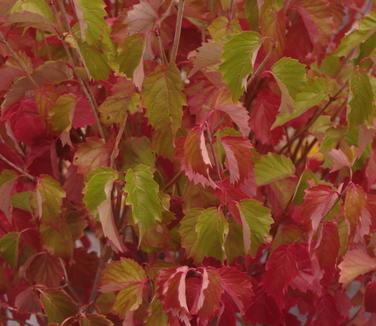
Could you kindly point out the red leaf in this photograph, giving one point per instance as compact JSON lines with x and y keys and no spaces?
{"x":238,"y":157}
{"x":83,"y":115}
{"x":194,"y":157}
{"x":238,"y":286}
{"x":370,"y":297}
{"x":318,"y":201}
{"x":238,"y":115}
{"x":264,"y":110}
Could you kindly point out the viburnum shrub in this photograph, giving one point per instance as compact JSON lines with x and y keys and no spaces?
{"x":188,"y":162}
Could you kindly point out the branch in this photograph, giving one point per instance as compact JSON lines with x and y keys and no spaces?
{"x":84,"y":87}
{"x":179,"y":20}
{"x":17,"y":168}
{"x":313,"y":119}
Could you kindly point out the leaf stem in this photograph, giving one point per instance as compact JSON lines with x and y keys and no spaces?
{"x":179,"y":20}
{"x":115,"y":150}
{"x":17,"y":168}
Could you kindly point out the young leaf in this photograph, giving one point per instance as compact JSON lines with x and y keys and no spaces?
{"x":49,"y":198}
{"x":164,"y":98}
{"x":61,"y":114}
{"x":203,"y":233}
{"x":238,"y":156}
{"x":9,"y":248}
{"x":143,"y":196}
{"x":256,"y":221}
{"x":362,"y":102}
{"x":355,"y":263}
{"x":57,"y":305}
{"x":272,"y":167}
{"x":90,"y":16}
{"x":237,"y":60}
{"x":128,"y":279}
{"x":97,"y":196}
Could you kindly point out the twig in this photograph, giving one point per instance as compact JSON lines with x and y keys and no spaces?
{"x":83,"y":85}
{"x":115,"y":150}
{"x":17,"y":168}
{"x":314,"y":118}
{"x":172,"y":181}
{"x":179,"y":20}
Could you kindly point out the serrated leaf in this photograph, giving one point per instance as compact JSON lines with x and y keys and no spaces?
{"x":206,"y":56}
{"x":362,"y":102}
{"x":143,"y":196}
{"x":130,"y":54}
{"x":127,"y":277}
{"x":7,"y":182}
{"x":142,"y":17}
{"x":90,"y":16}
{"x":272,"y":167}
{"x":94,"y":61}
{"x":203,"y":233}
{"x":157,"y":316}
{"x":57,"y":305}
{"x":256,"y":221}
{"x":238,"y":114}
{"x":39,"y":7}
{"x":49,"y":198}
{"x":137,"y":150}
{"x":9,"y":248}
{"x":310,"y":94}
{"x":61,"y":114}
{"x":164,"y":98}
{"x":97,"y":197}
{"x":237,"y":60}
{"x":355,"y":263}
{"x":115,"y":107}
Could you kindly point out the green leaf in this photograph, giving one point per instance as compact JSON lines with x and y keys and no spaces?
{"x":130,"y":54}
{"x":237,"y":60}
{"x":95,"y":62}
{"x":310,"y":94}
{"x":256,"y":221}
{"x":143,"y":196}
{"x":290,"y":75}
{"x":22,"y":200}
{"x":57,"y":237}
{"x":9,"y":247}
{"x":362,"y":101}
{"x":94,"y":193}
{"x":39,"y":7}
{"x":127,"y":277}
{"x":367,"y":26}
{"x":137,"y":150}
{"x":57,"y":305}
{"x":91,"y":16}
{"x":157,"y":316}
{"x":115,"y":107}
{"x":164,"y":98}
{"x":7,"y":182}
{"x":273,"y":167}
{"x":95,"y":320}
{"x":221,"y":27}
{"x":61,"y":114}
{"x":203,"y":233}
{"x":97,"y":197}
{"x":49,"y":198}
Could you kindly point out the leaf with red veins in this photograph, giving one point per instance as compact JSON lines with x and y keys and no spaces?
{"x":281,"y":269}
{"x":194,"y":157}
{"x":142,"y":17}
{"x":318,"y":201}
{"x":238,"y":157}
{"x":355,"y":207}
{"x":328,"y":250}
{"x":327,"y":312}
{"x":356,"y":262}
{"x":189,"y":294}
{"x":238,"y":286}
{"x":238,"y":114}
{"x":92,"y":154}
{"x":264,"y":111}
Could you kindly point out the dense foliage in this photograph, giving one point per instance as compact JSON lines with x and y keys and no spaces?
{"x":188,"y":162}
